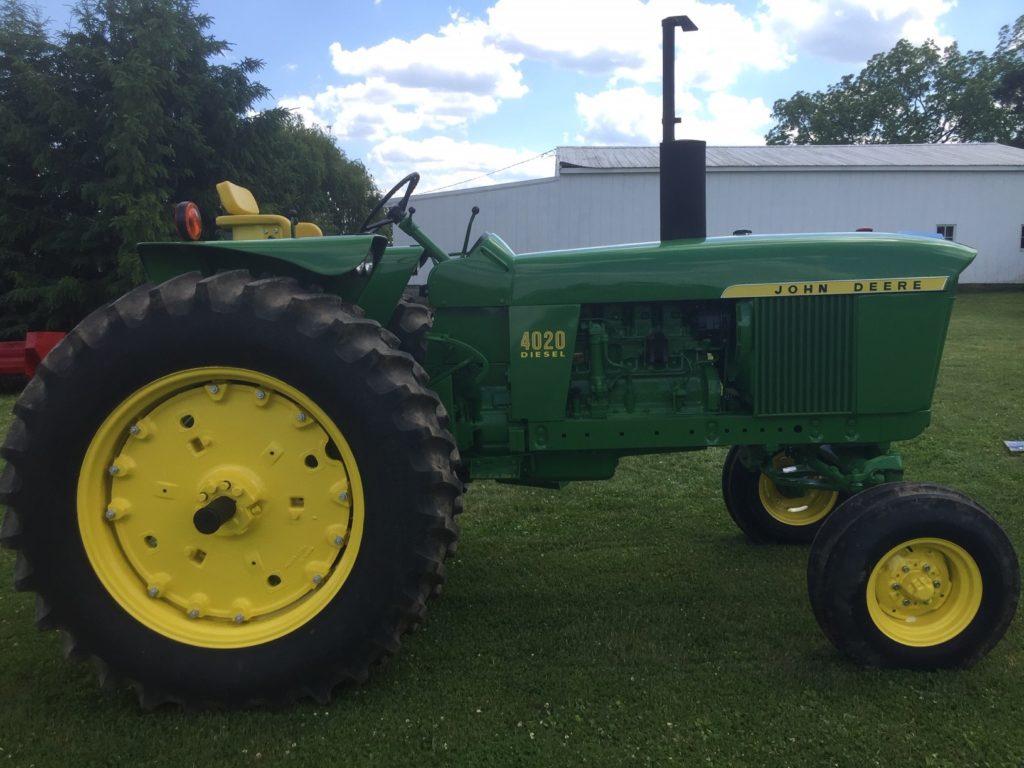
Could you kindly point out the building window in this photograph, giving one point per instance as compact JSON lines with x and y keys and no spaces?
{"x":1022,"y":238}
{"x":946,"y":230}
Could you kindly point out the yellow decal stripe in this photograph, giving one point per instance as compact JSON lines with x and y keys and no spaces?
{"x":836,"y":287}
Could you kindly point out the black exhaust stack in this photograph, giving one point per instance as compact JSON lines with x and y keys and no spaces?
{"x":683,"y":193}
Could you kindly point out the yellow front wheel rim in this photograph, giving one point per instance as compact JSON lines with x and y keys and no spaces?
{"x":235,"y":440}
{"x":808,"y":508}
{"x":924,"y":592}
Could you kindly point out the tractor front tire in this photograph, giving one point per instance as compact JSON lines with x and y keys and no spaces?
{"x":229,"y":492}
{"x":913,"y":576}
{"x":767,"y":515}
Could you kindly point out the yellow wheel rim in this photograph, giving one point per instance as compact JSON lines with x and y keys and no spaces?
{"x":253,"y":445}
{"x":806,"y":509}
{"x":924,"y":592}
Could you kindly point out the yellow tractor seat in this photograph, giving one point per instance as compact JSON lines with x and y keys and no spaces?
{"x":244,"y":218}
{"x":236,"y":200}
{"x":247,"y":223}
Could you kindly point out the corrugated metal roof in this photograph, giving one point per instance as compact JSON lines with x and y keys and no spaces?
{"x":804,"y":156}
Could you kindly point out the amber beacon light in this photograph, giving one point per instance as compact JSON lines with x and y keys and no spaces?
{"x":187,"y":221}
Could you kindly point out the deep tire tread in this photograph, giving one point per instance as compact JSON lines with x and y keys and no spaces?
{"x":410,"y":323}
{"x":417,"y":417}
{"x":881,"y":517}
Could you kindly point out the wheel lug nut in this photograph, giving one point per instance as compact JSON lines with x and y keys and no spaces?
{"x":213,"y":389}
{"x":110,"y":514}
{"x":113,"y":469}
{"x":343,"y":497}
{"x":895,"y":587}
{"x":317,"y":578}
{"x":300,"y":417}
{"x":239,"y":618}
{"x":926,"y":568}
{"x":906,"y":602}
{"x":153,"y":591}
{"x":905,"y":569}
{"x":936,"y":583}
{"x":193,"y":613}
{"x":261,"y":395}
{"x":135,"y":429}
{"x":339,"y":540}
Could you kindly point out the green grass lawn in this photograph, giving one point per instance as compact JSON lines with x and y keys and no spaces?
{"x":617,"y":623}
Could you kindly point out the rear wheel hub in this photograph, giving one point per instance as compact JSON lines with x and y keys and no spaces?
{"x":220,"y":507}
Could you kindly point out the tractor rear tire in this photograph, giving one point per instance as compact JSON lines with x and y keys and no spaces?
{"x":410,"y":322}
{"x":913,"y":576}
{"x":763,"y":513}
{"x":229,"y":492}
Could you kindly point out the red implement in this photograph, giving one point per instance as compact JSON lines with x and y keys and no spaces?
{"x":20,"y":358}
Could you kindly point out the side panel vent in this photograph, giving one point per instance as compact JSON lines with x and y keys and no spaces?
{"x":804,"y":353}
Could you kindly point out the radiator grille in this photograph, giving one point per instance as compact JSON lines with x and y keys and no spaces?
{"x":804,"y":351}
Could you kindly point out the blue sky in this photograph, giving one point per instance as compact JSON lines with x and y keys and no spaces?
{"x":458,"y":91}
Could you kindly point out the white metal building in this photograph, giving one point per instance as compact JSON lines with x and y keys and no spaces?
{"x":606,"y":195}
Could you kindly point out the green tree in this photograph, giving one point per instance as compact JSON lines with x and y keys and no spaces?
{"x":910,"y":94}
{"x":1009,"y":91}
{"x":291,"y":167}
{"x":33,"y":213}
{"x":105,"y":126}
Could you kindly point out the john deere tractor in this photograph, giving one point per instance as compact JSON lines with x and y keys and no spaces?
{"x":238,"y":483}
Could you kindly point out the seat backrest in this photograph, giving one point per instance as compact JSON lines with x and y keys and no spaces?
{"x":236,"y":200}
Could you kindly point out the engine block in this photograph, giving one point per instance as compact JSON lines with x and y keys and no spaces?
{"x":657,"y":358}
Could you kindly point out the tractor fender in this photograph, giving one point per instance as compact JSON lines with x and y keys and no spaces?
{"x":362,"y":269}
{"x":326,"y":256}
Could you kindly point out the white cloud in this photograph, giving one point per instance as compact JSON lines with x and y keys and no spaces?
{"x":854,"y":30}
{"x":443,"y":161}
{"x":619,"y":116}
{"x":435,"y":82}
{"x":732,"y":121}
{"x":621,"y":39}
{"x":633,"y":116}
{"x":377,"y":108}
{"x":417,"y":100}
{"x":459,"y":58}
{"x":447,"y":80}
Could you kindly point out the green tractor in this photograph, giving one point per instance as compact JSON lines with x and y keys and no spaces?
{"x":238,"y":484}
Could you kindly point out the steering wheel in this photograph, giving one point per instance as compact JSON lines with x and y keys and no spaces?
{"x":394,"y":214}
